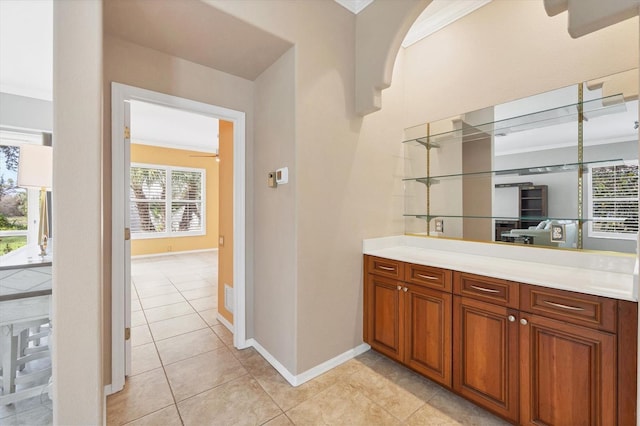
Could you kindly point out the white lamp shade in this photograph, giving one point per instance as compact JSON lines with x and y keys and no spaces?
{"x":34,"y":166}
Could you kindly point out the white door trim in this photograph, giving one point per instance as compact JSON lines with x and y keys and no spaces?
{"x":121,"y":93}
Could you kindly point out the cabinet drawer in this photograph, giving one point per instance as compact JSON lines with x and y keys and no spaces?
{"x":428,"y":276}
{"x":577,"y":308}
{"x":385,"y":267}
{"x":493,"y":290}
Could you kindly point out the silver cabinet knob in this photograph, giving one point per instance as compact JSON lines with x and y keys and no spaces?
{"x":399,"y":287}
{"x":524,"y":321}
{"x":405,"y":289}
{"x":511,"y":318}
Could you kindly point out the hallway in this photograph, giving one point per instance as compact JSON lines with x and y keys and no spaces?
{"x":186,"y":371}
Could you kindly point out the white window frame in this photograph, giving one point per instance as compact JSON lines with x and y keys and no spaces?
{"x":168,"y":233}
{"x":606,"y":235}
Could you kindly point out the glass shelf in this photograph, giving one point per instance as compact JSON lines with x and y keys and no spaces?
{"x":590,"y":109}
{"x":512,"y":218}
{"x":526,"y":171}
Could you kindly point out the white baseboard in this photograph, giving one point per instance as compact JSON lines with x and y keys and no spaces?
{"x":330,"y":364}
{"x":108,"y":390}
{"x":171,"y":253}
{"x":313,"y":372}
{"x":274,"y":362}
{"x":224,"y":322}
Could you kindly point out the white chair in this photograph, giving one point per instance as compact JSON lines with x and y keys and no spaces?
{"x":15,"y":353}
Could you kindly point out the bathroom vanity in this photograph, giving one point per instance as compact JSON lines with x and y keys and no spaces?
{"x":545,"y":341}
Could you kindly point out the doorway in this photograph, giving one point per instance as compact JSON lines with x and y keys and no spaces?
{"x":122,"y":96}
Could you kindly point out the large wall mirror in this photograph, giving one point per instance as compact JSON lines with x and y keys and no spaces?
{"x":557,"y":169}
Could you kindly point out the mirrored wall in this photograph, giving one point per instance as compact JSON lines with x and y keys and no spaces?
{"x":557,"y":169}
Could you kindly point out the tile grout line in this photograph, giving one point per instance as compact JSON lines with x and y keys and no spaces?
{"x":153,"y":338}
{"x":173,"y":397}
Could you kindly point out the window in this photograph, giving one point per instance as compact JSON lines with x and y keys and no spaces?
{"x":613,"y":201}
{"x":18,"y":206}
{"x":166,"y":201}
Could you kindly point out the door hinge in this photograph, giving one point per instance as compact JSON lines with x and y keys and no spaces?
{"x":127,"y":333}
{"x":127,"y":234}
{"x":127,"y":132}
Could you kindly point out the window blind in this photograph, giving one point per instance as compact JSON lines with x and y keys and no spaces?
{"x":166,"y":201}
{"x":186,"y":204}
{"x":614,"y":200}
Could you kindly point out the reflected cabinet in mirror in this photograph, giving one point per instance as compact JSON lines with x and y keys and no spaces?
{"x":557,"y":169}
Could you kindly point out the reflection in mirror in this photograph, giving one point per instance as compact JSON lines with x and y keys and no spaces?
{"x":557,"y":169}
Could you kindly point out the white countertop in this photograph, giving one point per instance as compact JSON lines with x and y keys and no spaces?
{"x":602,"y":274}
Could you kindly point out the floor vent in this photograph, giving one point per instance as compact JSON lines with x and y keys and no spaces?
{"x":228,"y":298}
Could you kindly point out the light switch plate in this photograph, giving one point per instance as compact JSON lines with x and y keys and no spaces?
{"x":282,"y":175}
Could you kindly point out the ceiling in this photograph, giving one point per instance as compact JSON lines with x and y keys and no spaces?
{"x":437,"y":15}
{"x":195,"y":31}
{"x":169,"y":127}
{"x":355,"y":6}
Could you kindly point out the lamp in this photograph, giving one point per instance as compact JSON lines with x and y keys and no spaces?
{"x":35,"y":171}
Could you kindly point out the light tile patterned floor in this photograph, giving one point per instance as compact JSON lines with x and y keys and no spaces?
{"x":186,"y":371}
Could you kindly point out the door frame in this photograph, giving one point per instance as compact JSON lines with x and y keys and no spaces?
{"x":121,"y":93}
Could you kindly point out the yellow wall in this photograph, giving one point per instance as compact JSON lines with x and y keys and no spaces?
{"x":225,"y":203}
{"x":181,"y":158}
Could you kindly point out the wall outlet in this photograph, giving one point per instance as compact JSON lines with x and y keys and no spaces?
{"x":439,"y":225}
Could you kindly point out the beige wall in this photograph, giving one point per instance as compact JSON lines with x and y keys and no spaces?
{"x":149,"y":69}
{"x":274,"y":306}
{"x":77,"y":213}
{"x":347,"y":168}
{"x":346,"y":184}
{"x":507,"y":50}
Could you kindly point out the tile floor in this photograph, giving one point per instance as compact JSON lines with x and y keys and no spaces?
{"x":186,"y":371}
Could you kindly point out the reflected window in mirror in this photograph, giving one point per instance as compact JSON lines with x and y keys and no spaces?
{"x":613,"y":201}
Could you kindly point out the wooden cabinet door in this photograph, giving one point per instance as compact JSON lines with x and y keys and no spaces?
{"x":485,"y":355}
{"x":384,"y":320}
{"x":568,"y":374}
{"x":428,"y":332}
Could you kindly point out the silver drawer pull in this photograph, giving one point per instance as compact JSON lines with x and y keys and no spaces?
{"x":486,"y":290}
{"x":560,"y":305}
{"x":427,"y":277}
{"x":386,"y":268}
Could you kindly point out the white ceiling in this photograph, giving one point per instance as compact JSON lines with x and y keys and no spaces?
{"x":26,"y":48}
{"x":437,"y":15}
{"x":355,"y":6}
{"x":169,"y":127}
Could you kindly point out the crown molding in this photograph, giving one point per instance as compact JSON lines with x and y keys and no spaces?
{"x":355,"y":6}
{"x":438,"y":15}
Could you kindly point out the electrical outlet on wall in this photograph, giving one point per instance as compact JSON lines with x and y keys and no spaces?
{"x":439,"y":225}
